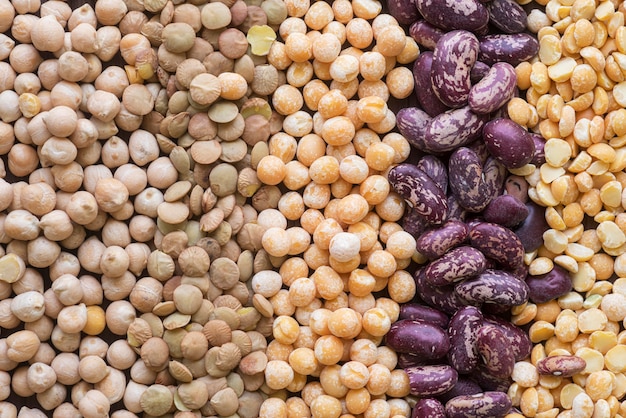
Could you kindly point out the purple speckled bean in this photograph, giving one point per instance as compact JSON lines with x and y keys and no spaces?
{"x":493,"y":286}
{"x":507,"y":15}
{"x":517,"y":337}
{"x":443,"y":298}
{"x":484,"y":405}
{"x":449,"y":15}
{"x":412,"y":123}
{"x":463,"y":327}
{"x":495,"y":175}
{"x":506,"y":210}
{"x":435,"y":169}
{"x":521,"y":272}
{"x":499,"y":243}
{"x":540,"y":156}
{"x":508,"y":142}
{"x":428,"y":408}
{"x":494,"y":89}
{"x":455,"y":210}
{"x":511,"y":48}
{"x":487,"y":381}
{"x":425,"y":196}
{"x":551,"y":285}
{"x":414,"y":223}
{"x":473,"y":184}
{"x":564,"y":366}
{"x":436,"y":242}
{"x":418,"y":338}
{"x":481,"y":151}
{"x":453,"y":58}
{"x":404,"y":11}
{"x":464,"y":386}
{"x":426,"y":96}
{"x":479,"y":70}
{"x":455,"y":265}
{"x":425,"y":34}
{"x":453,"y":129}
{"x":495,"y":351}
{"x":431,"y":380}
{"x":418,"y":312}
{"x":530,"y":232}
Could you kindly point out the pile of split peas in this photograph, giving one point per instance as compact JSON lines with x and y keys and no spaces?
{"x":195,"y":217}
{"x":575,"y":98}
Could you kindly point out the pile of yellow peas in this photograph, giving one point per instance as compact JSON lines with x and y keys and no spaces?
{"x":574,"y":99}
{"x":330,"y":325}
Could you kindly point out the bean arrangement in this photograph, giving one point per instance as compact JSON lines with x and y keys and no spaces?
{"x":204,"y":209}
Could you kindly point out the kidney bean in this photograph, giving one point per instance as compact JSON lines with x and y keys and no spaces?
{"x":483,"y":377}
{"x":564,"y":366}
{"x":418,"y":338}
{"x":490,"y":404}
{"x":455,"y":210}
{"x":438,"y":241}
{"x":511,"y":48}
{"x":424,"y":92}
{"x":443,"y":298}
{"x":425,"y":34}
{"x":412,"y":124}
{"x":473,"y":184}
{"x":414,"y":223}
{"x":428,"y":408}
{"x":431,"y":380}
{"x":507,"y":15}
{"x":481,"y":150}
{"x":530,"y":232}
{"x":508,"y":142}
{"x":456,"y":265}
{"x":494,"y":90}
{"x":404,"y":11}
{"x":453,"y":129}
{"x":453,"y":58}
{"x":521,"y":272}
{"x":495,"y":351}
{"x":540,"y":156}
{"x":435,"y":169}
{"x":493,"y":286}
{"x":425,"y":196}
{"x":463,"y":328}
{"x":506,"y":210}
{"x":517,"y":337}
{"x":449,"y":15}
{"x":498,"y":243}
{"x":418,"y":312}
{"x":479,"y":70}
{"x":549,"y":286}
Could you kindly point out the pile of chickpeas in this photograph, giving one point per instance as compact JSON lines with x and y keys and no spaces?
{"x":196,"y":219}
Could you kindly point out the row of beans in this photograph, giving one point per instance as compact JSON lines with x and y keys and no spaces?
{"x":558,"y":363}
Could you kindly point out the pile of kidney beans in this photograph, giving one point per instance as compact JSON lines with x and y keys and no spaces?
{"x":473,"y":222}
